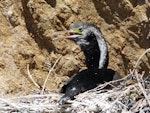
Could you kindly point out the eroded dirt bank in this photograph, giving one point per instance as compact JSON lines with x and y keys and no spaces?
{"x":26,"y":28}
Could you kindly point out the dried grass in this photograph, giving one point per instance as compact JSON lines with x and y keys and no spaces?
{"x":125,"y":98}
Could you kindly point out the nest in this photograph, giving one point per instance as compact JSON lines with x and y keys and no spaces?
{"x":130,"y":95}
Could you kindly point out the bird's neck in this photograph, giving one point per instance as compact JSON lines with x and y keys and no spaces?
{"x":96,"y":52}
{"x":103,"y":60}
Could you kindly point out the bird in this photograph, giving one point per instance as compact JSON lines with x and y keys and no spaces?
{"x":85,"y":80}
{"x":91,"y":41}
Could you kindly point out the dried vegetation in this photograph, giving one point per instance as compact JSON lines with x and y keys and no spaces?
{"x":131,"y":95}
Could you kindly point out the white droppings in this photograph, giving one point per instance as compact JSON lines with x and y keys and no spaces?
{"x":95,"y":73}
{"x":74,"y":88}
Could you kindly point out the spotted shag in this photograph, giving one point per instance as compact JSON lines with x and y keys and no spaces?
{"x":93,"y":44}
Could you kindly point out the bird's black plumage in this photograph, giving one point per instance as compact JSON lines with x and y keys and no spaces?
{"x":85,"y":80}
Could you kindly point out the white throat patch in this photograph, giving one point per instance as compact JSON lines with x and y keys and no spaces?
{"x":102,"y":45}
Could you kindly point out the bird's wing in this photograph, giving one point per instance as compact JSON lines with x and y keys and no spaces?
{"x":63,"y":89}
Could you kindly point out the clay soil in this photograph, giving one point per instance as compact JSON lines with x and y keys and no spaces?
{"x":26,"y":44}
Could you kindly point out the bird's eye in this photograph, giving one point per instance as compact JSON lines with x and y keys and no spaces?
{"x":80,"y":29}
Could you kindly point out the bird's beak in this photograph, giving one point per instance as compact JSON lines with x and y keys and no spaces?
{"x":73,"y":33}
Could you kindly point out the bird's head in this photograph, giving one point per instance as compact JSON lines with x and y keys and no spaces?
{"x":81,"y":33}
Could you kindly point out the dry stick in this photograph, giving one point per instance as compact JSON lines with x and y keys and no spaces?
{"x":142,"y":89}
{"x":35,"y":96}
{"x":36,"y":106}
{"x":101,"y":86}
{"x":30,"y":76}
{"x":137,"y":76}
{"x":10,"y":104}
{"x":148,"y":50}
{"x":4,"y":108}
{"x":50,"y":73}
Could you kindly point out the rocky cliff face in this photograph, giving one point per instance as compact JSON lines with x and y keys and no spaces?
{"x":26,"y":28}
